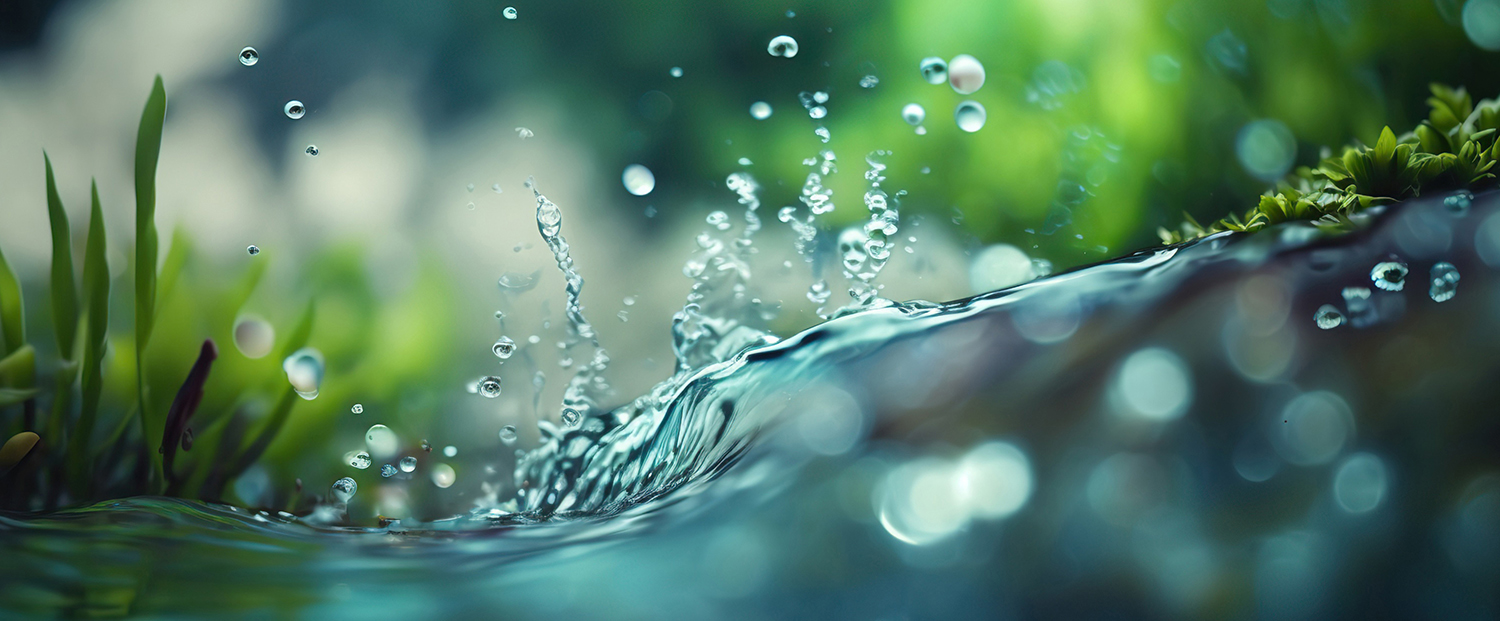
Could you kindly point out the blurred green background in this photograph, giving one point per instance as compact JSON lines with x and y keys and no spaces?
{"x":1105,"y":119}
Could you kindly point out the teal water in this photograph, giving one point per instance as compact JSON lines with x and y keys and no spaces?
{"x":1167,"y":434}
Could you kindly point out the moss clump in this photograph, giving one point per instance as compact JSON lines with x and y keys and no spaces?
{"x":1453,"y":149}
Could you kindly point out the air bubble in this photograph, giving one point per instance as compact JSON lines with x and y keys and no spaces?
{"x":934,"y":70}
{"x":783,"y":46}
{"x":489,"y":387}
{"x":343,"y":489}
{"x":970,"y":116}
{"x":913,"y":114}
{"x":248,"y":56}
{"x":294,"y":109}
{"x":760,"y":110}
{"x":504,"y":347}
{"x":1444,"y":282}
{"x":1328,"y":317}
{"x":1389,"y":275}
{"x":508,"y":435}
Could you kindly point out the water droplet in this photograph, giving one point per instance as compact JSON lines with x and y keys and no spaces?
{"x":1328,"y":317}
{"x":504,"y":347}
{"x":818,"y":292}
{"x":533,"y":339}
{"x":921,"y":130}
{"x":869,"y":81}
{"x":745,"y":161}
{"x":638,"y":180}
{"x":469,"y":187}
{"x":443,"y":475}
{"x":381,"y":440}
{"x":509,"y":12}
{"x":426,"y":446}
{"x":823,"y":134}
{"x":360,"y":459}
{"x":782,"y":45}
{"x":571,"y":418}
{"x":913,"y":114}
{"x":312,"y":150}
{"x":934,"y":70}
{"x":1444,"y":282}
{"x":1389,"y":275}
{"x":387,"y":471}
{"x":497,"y":189}
{"x":304,"y":370}
{"x":253,"y":250}
{"x":508,"y":434}
{"x":760,"y":110}
{"x":294,"y":109}
{"x":718,"y":220}
{"x":254,"y":337}
{"x":676,"y":72}
{"x":343,"y":489}
{"x":357,"y":408}
{"x":248,"y":56}
{"x":489,"y":386}
{"x":524,"y":133}
{"x":970,"y":116}
{"x":965,"y":74}
{"x":817,"y":112}
{"x":629,"y":300}
{"x":408,"y":463}
{"x":820,"y":97}
{"x":1460,"y":201}
{"x":450,"y":451}
{"x":623,"y":315}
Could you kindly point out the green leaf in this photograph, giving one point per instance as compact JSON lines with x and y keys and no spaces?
{"x":12,"y":396}
{"x":64,"y":289}
{"x":96,"y":328}
{"x":18,"y":370}
{"x":147,"y":149}
{"x":12,"y":311}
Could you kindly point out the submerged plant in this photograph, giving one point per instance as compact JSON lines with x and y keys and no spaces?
{"x":1453,"y":149}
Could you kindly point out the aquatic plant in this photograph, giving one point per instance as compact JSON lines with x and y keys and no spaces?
{"x":1454,"y":149}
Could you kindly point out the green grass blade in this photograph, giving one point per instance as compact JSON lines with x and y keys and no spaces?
{"x":12,"y":314}
{"x":96,"y":305}
{"x":64,"y":288}
{"x":147,"y":150}
{"x":171,"y":267}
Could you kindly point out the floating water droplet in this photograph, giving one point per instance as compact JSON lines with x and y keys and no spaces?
{"x":1328,"y":317}
{"x":676,"y":72}
{"x":489,"y":386}
{"x":934,"y":70}
{"x":508,"y":434}
{"x":817,"y":112}
{"x":1389,"y":275}
{"x":629,"y":300}
{"x":497,"y":189}
{"x":254,"y":337}
{"x":965,"y":74}
{"x":443,"y":475}
{"x":311,"y":150}
{"x":818,"y":292}
{"x":304,"y":370}
{"x":248,"y":56}
{"x":294,"y":109}
{"x":408,"y":463}
{"x":820,"y":97}
{"x":524,"y":133}
{"x":450,"y":451}
{"x":357,"y":408}
{"x":426,"y":446}
{"x":387,"y":471}
{"x":381,"y":440}
{"x":253,"y":250}
{"x":718,"y":220}
{"x":509,"y":12}
{"x":970,"y":116}
{"x":913,"y":114}
{"x":360,"y":459}
{"x":1444,"y":282}
{"x":760,"y":110}
{"x":504,"y":347}
{"x":869,"y":81}
{"x":638,"y":180}
{"x":823,"y":134}
{"x":1459,"y":202}
{"x":533,"y":339}
{"x":571,"y":418}
{"x":782,"y":45}
{"x":343,"y":489}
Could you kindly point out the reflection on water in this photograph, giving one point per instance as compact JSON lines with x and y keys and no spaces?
{"x":1119,"y":453}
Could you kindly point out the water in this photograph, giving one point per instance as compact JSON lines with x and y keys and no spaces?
{"x":921,"y":437}
{"x":503,"y":348}
{"x":969,"y":116}
{"x":294,"y":109}
{"x":408,"y":464}
{"x":934,"y":70}
{"x":782,"y":45}
{"x":913,"y":114}
{"x":248,"y":57}
{"x":489,"y":386}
